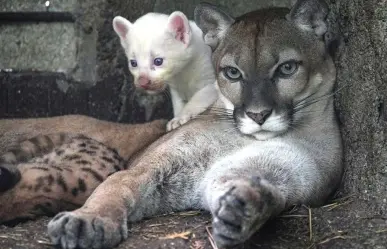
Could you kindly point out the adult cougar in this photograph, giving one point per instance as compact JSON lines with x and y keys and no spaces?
{"x":277,"y":144}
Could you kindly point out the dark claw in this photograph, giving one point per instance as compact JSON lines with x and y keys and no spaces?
{"x":256,"y":180}
{"x":9,"y":176}
{"x":58,"y":216}
{"x":224,"y":241}
{"x":235,"y":202}
{"x":222,"y":226}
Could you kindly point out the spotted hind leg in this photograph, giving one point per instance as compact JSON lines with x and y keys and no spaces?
{"x":49,"y":174}
{"x":24,"y":152}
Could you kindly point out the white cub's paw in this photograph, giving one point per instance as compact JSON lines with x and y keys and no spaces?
{"x":178,"y":121}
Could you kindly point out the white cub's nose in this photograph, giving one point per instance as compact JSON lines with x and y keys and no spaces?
{"x":144,"y":81}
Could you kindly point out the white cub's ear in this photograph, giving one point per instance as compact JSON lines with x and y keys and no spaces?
{"x":121,"y":26}
{"x":214,"y":23}
{"x":178,"y":25}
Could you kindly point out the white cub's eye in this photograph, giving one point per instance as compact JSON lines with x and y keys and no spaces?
{"x":158,"y":61}
{"x":287,"y":68}
{"x":133,"y":63}
{"x":232,"y":73}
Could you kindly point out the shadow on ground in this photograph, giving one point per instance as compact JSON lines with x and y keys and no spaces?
{"x":344,"y":224}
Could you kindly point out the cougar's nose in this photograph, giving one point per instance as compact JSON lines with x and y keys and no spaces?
{"x":260,"y":117}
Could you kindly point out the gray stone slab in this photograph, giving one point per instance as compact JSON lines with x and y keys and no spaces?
{"x":234,"y":7}
{"x":37,"y":5}
{"x":362,"y":99}
{"x":43,"y":46}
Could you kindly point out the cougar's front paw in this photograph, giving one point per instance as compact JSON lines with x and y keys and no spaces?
{"x":178,"y":121}
{"x":241,"y":211}
{"x":83,"y":230}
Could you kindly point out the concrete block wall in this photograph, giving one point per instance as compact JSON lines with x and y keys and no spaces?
{"x":49,"y":36}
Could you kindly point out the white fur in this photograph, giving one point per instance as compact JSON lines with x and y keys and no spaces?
{"x":273,"y":152}
{"x":273,"y":126}
{"x":187,"y":66}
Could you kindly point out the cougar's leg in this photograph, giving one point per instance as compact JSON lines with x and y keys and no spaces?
{"x":156,"y":186}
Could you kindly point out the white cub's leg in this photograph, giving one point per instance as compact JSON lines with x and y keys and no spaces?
{"x":200,"y":102}
{"x":177,"y":102}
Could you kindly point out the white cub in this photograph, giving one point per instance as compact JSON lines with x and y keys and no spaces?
{"x":169,"y":50}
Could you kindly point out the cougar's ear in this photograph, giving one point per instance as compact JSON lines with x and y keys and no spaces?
{"x":9,"y":176}
{"x":310,"y":15}
{"x":213,"y":22}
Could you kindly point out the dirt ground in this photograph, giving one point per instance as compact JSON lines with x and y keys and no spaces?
{"x":346,"y":223}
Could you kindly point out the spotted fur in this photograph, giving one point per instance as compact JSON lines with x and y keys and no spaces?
{"x":52,"y":173}
{"x":49,"y":165}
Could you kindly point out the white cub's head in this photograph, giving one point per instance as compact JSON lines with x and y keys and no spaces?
{"x":157,"y":47}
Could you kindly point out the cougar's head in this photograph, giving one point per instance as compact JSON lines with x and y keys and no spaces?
{"x":269,"y":63}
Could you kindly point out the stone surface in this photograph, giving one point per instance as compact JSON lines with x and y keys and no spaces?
{"x":43,"y":46}
{"x":234,"y":7}
{"x":37,"y":5}
{"x":362,"y":98}
{"x":88,"y":19}
{"x":66,"y":43}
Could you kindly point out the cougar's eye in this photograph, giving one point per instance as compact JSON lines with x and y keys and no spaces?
{"x":133,"y":63}
{"x":287,"y":69}
{"x":158,"y":61}
{"x":232,"y":73}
